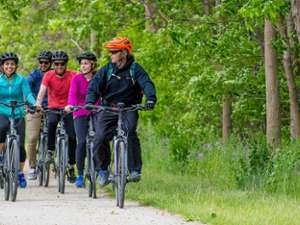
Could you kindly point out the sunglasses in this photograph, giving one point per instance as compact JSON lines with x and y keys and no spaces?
{"x":114,"y":52}
{"x":44,"y":62}
{"x":59,"y":64}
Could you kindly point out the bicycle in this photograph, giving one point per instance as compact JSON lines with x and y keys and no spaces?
{"x":90,"y":172}
{"x":120,"y":148}
{"x":62,"y":149}
{"x":11,"y":163}
{"x":43,"y":165}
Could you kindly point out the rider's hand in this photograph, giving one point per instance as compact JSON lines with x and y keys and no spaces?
{"x":68,"y":108}
{"x":30,"y":109}
{"x":149,"y":105}
{"x":38,"y":107}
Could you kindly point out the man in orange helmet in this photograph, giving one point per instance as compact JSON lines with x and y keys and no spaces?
{"x":121,"y":80}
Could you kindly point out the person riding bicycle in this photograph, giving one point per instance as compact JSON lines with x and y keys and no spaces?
{"x":77,"y":95}
{"x":13,"y":87}
{"x":115,"y":83}
{"x":33,"y":121}
{"x":57,"y":82}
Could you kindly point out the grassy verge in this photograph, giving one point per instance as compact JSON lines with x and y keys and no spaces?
{"x":188,"y":197}
{"x":211,"y":195}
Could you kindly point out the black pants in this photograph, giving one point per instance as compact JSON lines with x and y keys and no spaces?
{"x":20,"y":127}
{"x":81,"y":128}
{"x":105,"y":126}
{"x":53,"y":120}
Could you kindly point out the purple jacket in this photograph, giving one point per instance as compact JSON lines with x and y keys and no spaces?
{"x":77,"y":94}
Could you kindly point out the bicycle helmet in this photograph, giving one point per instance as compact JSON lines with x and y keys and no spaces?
{"x":87,"y":55}
{"x":119,"y":43}
{"x":60,"y":56}
{"x":45,"y":55}
{"x":9,"y":56}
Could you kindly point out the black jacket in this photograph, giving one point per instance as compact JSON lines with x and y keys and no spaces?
{"x":120,"y":87}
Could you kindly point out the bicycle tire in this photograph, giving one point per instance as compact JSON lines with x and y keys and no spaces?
{"x":46,"y":164}
{"x":41,"y":162}
{"x":122,"y":174}
{"x":58,"y":156}
{"x":1,"y":179}
{"x":89,"y":171}
{"x":92,"y":172}
{"x":6,"y":187}
{"x":6,"y":175}
{"x":63,"y":165}
{"x":87,"y":176}
{"x":15,"y":165}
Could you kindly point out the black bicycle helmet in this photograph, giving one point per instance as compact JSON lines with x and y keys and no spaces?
{"x":9,"y":56}
{"x":45,"y":55}
{"x":87,"y":55}
{"x":60,"y":56}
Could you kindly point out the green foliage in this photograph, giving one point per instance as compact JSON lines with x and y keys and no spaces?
{"x":194,"y":59}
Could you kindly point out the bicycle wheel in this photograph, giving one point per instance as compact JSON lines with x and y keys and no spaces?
{"x":58,"y":164}
{"x":63,"y":165}
{"x":92,"y":172}
{"x":41,"y":162}
{"x":88,"y":168}
{"x":46,"y":164}
{"x":1,"y":179}
{"x":6,"y":176}
{"x":15,"y":165}
{"x":122,"y":173}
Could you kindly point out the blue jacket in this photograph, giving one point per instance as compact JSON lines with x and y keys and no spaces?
{"x":35,"y":79}
{"x":16,"y":89}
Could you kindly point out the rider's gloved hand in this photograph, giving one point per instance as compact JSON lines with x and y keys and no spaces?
{"x":149,"y":105}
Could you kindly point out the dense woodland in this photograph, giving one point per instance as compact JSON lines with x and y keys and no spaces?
{"x":226,"y":71}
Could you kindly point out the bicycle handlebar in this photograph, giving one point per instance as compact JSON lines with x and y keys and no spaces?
{"x":114,"y":109}
{"x":15,"y":104}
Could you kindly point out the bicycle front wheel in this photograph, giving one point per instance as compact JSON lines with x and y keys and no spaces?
{"x":15,"y":164}
{"x":63,"y":159}
{"x":41,"y":161}
{"x":6,"y":176}
{"x":121,"y":173}
{"x":92,"y":172}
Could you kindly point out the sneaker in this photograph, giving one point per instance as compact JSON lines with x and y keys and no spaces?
{"x":22,"y":180}
{"x":71,"y":175}
{"x":32,"y":174}
{"x":134,"y":176}
{"x":103,"y":177}
{"x":79,"y":181}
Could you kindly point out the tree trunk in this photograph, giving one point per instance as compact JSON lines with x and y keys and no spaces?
{"x":296,"y":16}
{"x":149,"y":16}
{"x":227,"y":103}
{"x":93,"y":40}
{"x":272,"y":88}
{"x":206,"y":7}
{"x":290,"y":76}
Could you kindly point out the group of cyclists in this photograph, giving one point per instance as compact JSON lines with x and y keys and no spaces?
{"x":54,"y":86}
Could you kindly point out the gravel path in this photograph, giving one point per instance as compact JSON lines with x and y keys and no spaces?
{"x":45,"y":206}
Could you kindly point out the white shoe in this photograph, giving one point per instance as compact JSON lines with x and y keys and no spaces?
{"x":32,"y":174}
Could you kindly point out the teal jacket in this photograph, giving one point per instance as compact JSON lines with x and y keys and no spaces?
{"x":16,"y":89}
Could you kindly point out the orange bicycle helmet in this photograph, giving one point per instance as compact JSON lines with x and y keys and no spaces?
{"x":119,"y":43}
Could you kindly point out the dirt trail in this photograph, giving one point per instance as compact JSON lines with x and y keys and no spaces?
{"x":45,"y":206}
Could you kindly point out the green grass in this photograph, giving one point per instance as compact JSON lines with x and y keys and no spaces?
{"x":188,"y":197}
{"x":213,"y":194}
